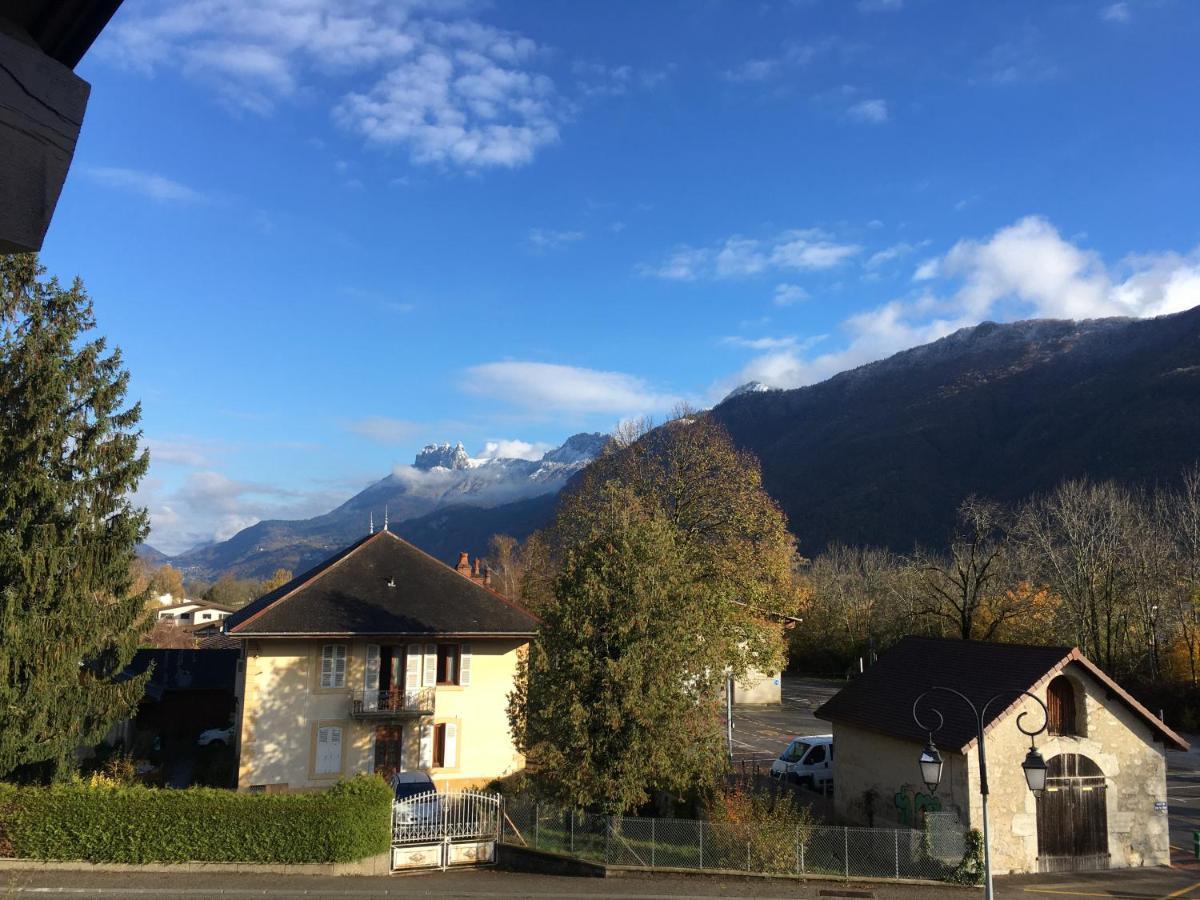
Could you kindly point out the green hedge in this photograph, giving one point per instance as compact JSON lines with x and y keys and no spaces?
{"x":117,"y":824}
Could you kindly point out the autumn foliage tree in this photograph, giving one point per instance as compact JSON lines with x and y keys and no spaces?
{"x":666,"y":569}
{"x":617,"y":696}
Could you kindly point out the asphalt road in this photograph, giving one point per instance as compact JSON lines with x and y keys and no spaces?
{"x":1138,"y":884}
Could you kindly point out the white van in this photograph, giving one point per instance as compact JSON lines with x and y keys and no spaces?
{"x":807,"y":760}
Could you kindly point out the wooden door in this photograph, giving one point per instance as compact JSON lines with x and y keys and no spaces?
{"x":389,"y":750}
{"x":1072,"y":816}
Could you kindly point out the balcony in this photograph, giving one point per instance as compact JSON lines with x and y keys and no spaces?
{"x":392,"y":704}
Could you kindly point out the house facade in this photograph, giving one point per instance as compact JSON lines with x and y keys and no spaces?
{"x":1105,"y":804}
{"x":381,"y":659}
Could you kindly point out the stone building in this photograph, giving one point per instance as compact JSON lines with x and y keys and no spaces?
{"x":1105,"y":804}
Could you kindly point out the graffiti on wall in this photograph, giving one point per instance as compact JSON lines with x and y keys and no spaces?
{"x":913,"y":805}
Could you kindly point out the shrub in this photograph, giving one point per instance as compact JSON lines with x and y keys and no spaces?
{"x":109,"y":822}
{"x":768,"y":823}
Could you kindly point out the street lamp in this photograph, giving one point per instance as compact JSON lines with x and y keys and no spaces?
{"x":931,"y":761}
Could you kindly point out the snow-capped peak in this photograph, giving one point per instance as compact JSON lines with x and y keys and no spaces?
{"x":442,"y":456}
{"x":750,"y":387}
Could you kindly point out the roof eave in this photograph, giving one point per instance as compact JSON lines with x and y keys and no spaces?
{"x":426,"y":635}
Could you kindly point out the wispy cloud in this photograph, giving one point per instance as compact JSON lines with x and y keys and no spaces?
{"x":761,"y":343}
{"x":386,"y":430}
{"x":870,"y":6}
{"x":868,"y":112}
{"x":1021,"y":61}
{"x":598,"y":79}
{"x":550,"y":388}
{"x":763,"y":68}
{"x":788,"y":294}
{"x":1116,"y":12}
{"x":1025,"y":269}
{"x":148,"y":184}
{"x":896,"y":251}
{"x":444,"y":86}
{"x":808,"y":249}
{"x":549,"y":239}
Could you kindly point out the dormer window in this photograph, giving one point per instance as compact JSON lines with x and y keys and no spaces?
{"x":1060,"y":704}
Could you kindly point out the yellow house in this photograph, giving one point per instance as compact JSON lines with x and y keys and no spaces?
{"x":380,"y":659}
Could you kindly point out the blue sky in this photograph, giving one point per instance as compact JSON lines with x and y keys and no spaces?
{"x":326,"y":232}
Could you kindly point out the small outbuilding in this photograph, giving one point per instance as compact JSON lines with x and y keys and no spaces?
{"x":1105,"y":802}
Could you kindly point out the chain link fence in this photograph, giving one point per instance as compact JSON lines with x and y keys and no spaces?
{"x":931,"y":854}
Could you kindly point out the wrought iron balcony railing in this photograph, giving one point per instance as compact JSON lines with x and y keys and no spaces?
{"x":392,"y":703}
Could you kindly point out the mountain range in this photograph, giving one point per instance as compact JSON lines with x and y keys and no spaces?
{"x":422,"y":502}
{"x":882,"y":454}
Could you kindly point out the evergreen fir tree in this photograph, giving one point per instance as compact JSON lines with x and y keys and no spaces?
{"x":69,"y":464}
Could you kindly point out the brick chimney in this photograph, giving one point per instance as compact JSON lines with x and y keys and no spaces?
{"x":464,"y":565}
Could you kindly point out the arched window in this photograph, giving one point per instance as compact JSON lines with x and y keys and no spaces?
{"x":1060,"y":696}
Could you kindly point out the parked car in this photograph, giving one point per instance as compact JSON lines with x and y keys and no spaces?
{"x":411,"y":817}
{"x":215,"y":736}
{"x":807,"y":760}
{"x":411,"y":784}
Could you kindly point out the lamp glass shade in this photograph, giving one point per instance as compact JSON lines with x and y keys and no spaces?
{"x":931,"y":767}
{"x":1035,"y":772}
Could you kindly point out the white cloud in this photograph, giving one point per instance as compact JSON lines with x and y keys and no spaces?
{"x":548,"y":239}
{"x":927,"y":270}
{"x":788,"y":294}
{"x":868,"y":112}
{"x":549,"y":388}
{"x":597,"y":79}
{"x":211,"y":506}
{"x":762,"y":343}
{"x":426,"y":77}
{"x":385,"y":430}
{"x":148,"y":184}
{"x":803,"y":249}
{"x":507,"y":448}
{"x":1116,"y":12}
{"x":765,"y":68}
{"x":888,"y":254}
{"x":1024,"y":270}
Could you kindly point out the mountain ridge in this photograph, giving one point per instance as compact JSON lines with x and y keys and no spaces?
{"x":880,"y":454}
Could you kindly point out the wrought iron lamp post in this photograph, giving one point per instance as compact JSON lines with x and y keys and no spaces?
{"x":931,"y":760}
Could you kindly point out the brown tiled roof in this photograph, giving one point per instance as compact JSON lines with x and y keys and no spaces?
{"x":382,"y":585}
{"x":882,"y":698}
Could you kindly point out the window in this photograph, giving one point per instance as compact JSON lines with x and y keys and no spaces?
{"x":815,"y":757}
{"x":389,"y":750}
{"x":439,"y":746}
{"x":333,"y":666}
{"x":794,"y":751}
{"x":445,"y":745}
{"x":329,"y":751}
{"x":447,"y":663}
{"x":1060,"y":696}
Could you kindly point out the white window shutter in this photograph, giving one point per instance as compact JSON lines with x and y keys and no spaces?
{"x":327,"y":666}
{"x":464,"y":665}
{"x":412,"y":667}
{"x":426,"y":756}
{"x":451,"y":753}
{"x":329,"y":750}
{"x":371,"y":678}
{"x":339,"y":665}
{"x":430,"y":676}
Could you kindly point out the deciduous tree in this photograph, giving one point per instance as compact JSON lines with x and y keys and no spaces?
{"x":617,"y":696}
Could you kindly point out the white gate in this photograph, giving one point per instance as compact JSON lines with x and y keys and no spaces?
{"x":433,"y":830}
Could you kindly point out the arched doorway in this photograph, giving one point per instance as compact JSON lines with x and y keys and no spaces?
{"x":1072,"y":816}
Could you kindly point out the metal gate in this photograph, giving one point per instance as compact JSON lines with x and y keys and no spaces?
{"x":457,"y":828}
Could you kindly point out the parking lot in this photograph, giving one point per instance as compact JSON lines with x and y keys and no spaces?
{"x":761,"y":732}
